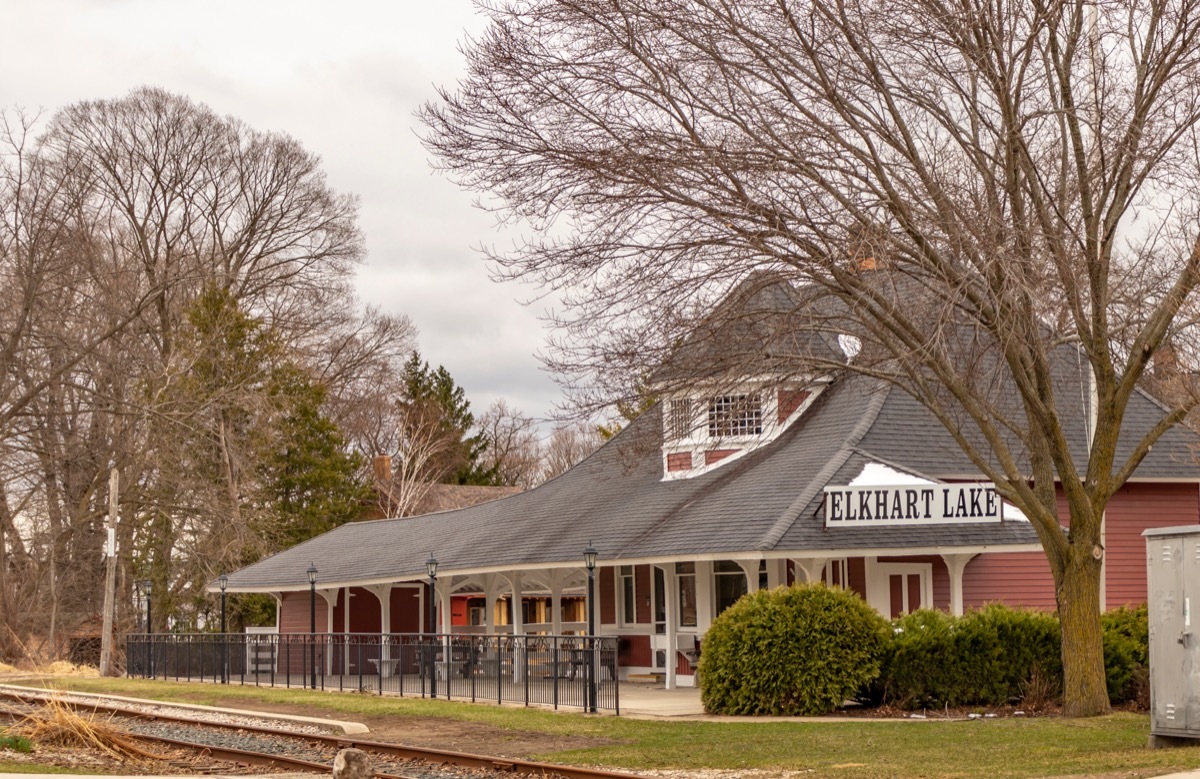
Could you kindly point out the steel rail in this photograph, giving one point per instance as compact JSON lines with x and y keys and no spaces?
{"x":462,"y":759}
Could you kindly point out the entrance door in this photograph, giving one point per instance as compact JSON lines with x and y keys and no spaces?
{"x":894,"y":589}
{"x":905,"y":593}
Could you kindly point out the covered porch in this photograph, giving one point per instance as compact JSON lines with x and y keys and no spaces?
{"x":555,"y":671}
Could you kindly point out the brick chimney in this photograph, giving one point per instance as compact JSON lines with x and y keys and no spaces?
{"x":382,"y":465}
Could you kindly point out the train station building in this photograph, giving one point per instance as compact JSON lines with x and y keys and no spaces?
{"x":717,"y":490}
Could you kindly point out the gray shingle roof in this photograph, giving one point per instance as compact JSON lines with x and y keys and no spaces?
{"x":762,"y":502}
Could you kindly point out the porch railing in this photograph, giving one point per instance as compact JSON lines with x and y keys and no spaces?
{"x":566,"y":671}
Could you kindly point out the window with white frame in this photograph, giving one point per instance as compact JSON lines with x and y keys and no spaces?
{"x":680,"y":418}
{"x":731,"y":583}
{"x":685,"y":576}
{"x":735,"y":415}
{"x":628,"y":596}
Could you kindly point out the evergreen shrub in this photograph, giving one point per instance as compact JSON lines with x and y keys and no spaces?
{"x":1126,"y":653}
{"x":986,"y":657}
{"x":799,"y":650}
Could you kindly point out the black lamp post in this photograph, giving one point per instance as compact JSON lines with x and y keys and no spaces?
{"x":431,"y":566}
{"x":223,"y":582}
{"x":147,"y":588}
{"x":589,"y":559}
{"x":312,"y":620}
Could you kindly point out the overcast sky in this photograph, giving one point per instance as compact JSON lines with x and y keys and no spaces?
{"x":344,"y":78}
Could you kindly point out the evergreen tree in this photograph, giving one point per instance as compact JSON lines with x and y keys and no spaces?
{"x":309,"y":475}
{"x":434,"y":401}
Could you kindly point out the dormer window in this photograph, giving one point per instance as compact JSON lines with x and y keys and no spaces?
{"x":681,"y":419}
{"x":737,"y":422}
{"x":732,"y":416}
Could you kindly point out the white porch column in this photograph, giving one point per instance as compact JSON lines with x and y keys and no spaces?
{"x":705,"y":602}
{"x":956,"y":564}
{"x":776,"y":573}
{"x":518,"y":624}
{"x":750,"y":568}
{"x":444,"y":600}
{"x":382,"y":593}
{"x":672,"y":606}
{"x":330,"y":597}
{"x":812,"y":567}
{"x":556,"y":580}
{"x":490,"y":591}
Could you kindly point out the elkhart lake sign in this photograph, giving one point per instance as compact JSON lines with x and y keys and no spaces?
{"x":912,"y":504}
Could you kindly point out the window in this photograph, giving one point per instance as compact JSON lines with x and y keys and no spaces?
{"x":731,"y":583}
{"x":628,"y":596}
{"x":680,"y":419}
{"x":735,"y":415}
{"x":685,"y":575}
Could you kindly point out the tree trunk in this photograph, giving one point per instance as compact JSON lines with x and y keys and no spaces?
{"x":1085,"y":692}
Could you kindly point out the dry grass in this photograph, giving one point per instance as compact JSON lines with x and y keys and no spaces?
{"x":57,"y":724}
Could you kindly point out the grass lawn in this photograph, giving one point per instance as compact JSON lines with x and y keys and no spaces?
{"x":1041,"y":747}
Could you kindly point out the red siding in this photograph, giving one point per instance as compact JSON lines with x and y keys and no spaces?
{"x":716,"y":455}
{"x":1017,"y":579}
{"x":365,"y":612}
{"x":682,"y":666}
{"x":789,"y":401}
{"x":856,"y":571}
{"x":635,"y":651}
{"x":294,"y":613}
{"x":641,"y":588}
{"x":1138,"y":507}
{"x":606,"y":596}
{"x":679,"y":461}
{"x":406,"y":610}
{"x":941,"y":576}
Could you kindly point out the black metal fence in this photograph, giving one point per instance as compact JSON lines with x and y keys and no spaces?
{"x":568,"y":671}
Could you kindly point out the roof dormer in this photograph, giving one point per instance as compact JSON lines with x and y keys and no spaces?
{"x":703,"y":429}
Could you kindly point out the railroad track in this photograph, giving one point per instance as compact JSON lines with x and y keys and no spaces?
{"x":243,"y":742}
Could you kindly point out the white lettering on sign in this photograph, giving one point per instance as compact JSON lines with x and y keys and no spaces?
{"x":909,"y":504}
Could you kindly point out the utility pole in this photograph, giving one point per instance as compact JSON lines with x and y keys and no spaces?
{"x":110,"y":578}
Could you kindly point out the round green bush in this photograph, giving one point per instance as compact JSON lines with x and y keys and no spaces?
{"x":799,"y":650}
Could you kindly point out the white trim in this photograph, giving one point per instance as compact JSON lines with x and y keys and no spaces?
{"x":867,"y":551}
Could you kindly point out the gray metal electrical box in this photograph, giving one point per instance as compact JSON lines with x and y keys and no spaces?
{"x":1173,"y":590}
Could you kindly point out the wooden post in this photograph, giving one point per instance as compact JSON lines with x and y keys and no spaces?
{"x":110,"y":577}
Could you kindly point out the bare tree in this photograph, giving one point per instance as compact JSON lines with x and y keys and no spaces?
{"x":513,"y":451}
{"x":567,"y":446}
{"x":120,"y":223}
{"x":1022,"y":176}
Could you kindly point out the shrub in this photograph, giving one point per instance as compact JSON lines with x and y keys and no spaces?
{"x":1005,"y":647}
{"x":922,"y":667}
{"x":983,"y":658}
{"x":799,"y":650}
{"x":1126,"y":652}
